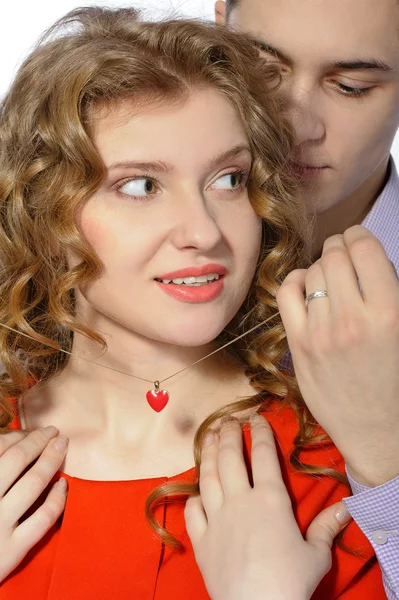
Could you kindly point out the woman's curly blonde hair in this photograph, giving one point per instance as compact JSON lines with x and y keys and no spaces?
{"x":49,"y":167}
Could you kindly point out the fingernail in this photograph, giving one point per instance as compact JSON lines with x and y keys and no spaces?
{"x":49,"y":431}
{"x":342,"y":515}
{"x":226,"y":420}
{"x":208,"y":439}
{"x":61,"y":443}
{"x":61,"y":486}
{"x":254,"y":419}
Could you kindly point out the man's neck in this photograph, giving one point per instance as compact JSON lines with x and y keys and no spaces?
{"x":352,"y":211}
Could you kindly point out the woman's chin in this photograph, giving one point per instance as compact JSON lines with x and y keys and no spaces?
{"x":193,"y":340}
{"x":191,"y":335}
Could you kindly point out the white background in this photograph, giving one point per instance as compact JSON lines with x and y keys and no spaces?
{"x":23,"y":22}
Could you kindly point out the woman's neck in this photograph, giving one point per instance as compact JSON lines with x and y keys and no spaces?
{"x":113,"y":432}
{"x":108,"y":402}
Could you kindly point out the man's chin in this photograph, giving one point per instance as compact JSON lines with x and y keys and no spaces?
{"x":320,"y":203}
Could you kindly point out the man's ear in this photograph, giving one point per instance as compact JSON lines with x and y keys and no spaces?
{"x":220,"y":11}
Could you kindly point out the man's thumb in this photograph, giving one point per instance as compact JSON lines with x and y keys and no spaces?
{"x":327,"y":525}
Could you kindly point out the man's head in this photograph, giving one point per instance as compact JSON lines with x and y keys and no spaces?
{"x":340,"y":66}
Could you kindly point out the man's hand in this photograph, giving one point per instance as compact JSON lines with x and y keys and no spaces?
{"x":345,"y":349}
{"x":20,"y":488}
{"x":246,"y":541}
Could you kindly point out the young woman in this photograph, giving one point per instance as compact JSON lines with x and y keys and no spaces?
{"x":147,"y":220}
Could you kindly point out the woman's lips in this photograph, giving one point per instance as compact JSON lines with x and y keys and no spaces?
{"x":195,"y":271}
{"x":193,"y":294}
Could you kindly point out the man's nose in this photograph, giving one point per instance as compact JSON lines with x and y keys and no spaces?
{"x":306,"y":113}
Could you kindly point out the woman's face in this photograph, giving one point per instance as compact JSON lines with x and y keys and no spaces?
{"x":174,"y":206}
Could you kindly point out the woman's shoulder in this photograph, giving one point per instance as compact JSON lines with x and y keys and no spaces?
{"x":18,"y":420}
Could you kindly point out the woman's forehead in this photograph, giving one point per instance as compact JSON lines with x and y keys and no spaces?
{"x":204,"y":124}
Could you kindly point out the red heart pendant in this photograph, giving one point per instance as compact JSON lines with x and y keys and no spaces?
{"x":157,"y":399}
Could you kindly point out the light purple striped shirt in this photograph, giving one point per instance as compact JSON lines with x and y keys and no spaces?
{"x":376,"y":510}
{"x":383,"y":219}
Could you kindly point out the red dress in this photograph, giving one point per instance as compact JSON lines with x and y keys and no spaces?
{"x":103,"y":549}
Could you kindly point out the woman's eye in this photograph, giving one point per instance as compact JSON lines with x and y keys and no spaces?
{"x":141,"y":186}
{"x":229,"y":181}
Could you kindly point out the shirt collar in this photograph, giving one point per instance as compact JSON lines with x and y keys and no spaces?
{"x":383,"y":219}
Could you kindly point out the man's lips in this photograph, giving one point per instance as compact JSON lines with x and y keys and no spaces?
{"x":307,"y":171}
{"x":302,"y":165}
{"x":195,"y":272}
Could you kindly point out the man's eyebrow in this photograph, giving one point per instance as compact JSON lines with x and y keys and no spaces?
{"x":361,"y":65}
{"x":270,"y":49}
{"x":163,"y":167}
{"x":358,"y":64}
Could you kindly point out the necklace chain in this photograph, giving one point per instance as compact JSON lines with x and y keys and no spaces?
{"x":93,"y":362}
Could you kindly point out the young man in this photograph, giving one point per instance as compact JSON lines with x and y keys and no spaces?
{"x":340,"y":67}
{"x":340,"y":75}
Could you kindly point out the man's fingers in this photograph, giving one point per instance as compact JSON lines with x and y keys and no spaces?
{"x":318,"y":308}
{"x":31,"y":531}
{"x":377,"y":279}
{"x":195,"y":517}
{"x":9,"y":439}
{"x":232,"y":469}
{"x":20,"y":451}
{"x":265,"y":464}
{"x":327,"y":525}
{"x":28,"y":488}
{"x":291,"y":303}
{"x":340,"y":276}
{"x":211,"y":490}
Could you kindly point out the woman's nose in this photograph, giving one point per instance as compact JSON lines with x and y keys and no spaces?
{"x":195,"y":224}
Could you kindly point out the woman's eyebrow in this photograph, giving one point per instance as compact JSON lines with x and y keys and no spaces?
{"x":157,"y":166}
{"x":164,"y":167}
{"x":229,"y":154}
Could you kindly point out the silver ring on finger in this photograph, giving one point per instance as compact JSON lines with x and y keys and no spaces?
{"x":313,"y":295}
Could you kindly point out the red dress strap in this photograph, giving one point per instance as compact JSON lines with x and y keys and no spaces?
{"x":15,"y":423}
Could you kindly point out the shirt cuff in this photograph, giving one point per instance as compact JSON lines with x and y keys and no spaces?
{"x":376,"y":511}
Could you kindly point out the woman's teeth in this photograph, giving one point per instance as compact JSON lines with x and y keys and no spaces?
{"x":192,"y":281}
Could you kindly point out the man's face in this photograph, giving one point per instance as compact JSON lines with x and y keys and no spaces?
{"x":340,"y":66}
